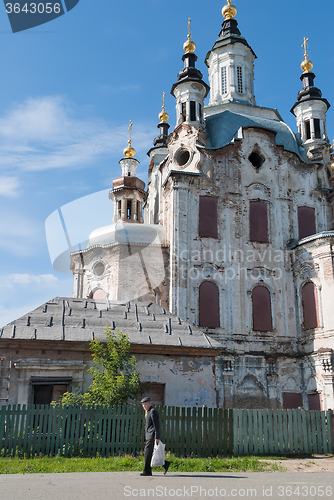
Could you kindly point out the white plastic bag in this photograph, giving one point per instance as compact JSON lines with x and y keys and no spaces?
{"x":158,"y":457}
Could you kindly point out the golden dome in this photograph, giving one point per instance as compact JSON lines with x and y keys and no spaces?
{"x":306,"y":65}
{"x":189,"y":46}
{"x":129,"y":151}
{"x":163,"y":116}
{"x":229,"y":11}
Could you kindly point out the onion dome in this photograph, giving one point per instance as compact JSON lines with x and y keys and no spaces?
{"x":229,"y":11}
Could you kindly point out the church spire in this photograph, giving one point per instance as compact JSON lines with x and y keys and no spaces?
{"x":128,"y":191}
{"x":190,"y":97}
{"x":310,"y":108}
{"x":231,"y":64}
{"x":163,"y":126}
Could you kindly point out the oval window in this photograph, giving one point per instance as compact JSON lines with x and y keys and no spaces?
{"x":99,"y":269}
{"x":182,"y":157}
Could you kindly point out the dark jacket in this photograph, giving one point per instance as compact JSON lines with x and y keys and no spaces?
{"x":152,"y":425}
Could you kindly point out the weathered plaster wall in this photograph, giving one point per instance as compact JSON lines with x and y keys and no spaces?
{"x":236,"y":264}
{"x":132,"y":272}
{"x":189,"y":381}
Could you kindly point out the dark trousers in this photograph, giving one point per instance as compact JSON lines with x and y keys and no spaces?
{"x":148,"y":452}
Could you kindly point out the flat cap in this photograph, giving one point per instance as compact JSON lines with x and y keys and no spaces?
{"x":145,"y":400}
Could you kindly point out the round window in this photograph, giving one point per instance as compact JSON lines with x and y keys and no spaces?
{"x":182,"y":157}
{"x":99,"y":269}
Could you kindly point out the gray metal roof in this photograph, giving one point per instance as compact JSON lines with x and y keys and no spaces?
{"x":83,"y":320}
{"x":224,"y":127}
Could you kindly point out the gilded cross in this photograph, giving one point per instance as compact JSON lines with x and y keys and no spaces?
{"x":189,"y":22}
{"x":305,"y":46}
{"x":163,"y":101}
{"x":130,"y":127}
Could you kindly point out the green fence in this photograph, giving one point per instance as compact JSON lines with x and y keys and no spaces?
{"x":202,"y":432}
{"x":272,"y":432}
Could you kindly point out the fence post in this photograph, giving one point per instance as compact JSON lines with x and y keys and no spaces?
{"x":332,"y":427}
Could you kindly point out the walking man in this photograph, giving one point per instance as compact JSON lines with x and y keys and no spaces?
{"x":152,"y":435}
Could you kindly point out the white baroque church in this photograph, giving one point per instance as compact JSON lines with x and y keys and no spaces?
{"x":224,"y":261}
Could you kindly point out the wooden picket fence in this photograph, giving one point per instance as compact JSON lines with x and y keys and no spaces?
{"x":274,"y":432}
{"x":36,"y":430}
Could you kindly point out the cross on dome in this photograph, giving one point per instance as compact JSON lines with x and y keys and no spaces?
{"x":163,"y":116}
{"x":189,"y":46}
{"x":306,"y":65}
{"x":129,"y":151}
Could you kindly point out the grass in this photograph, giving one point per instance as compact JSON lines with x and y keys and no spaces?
{"x":45,"y":465}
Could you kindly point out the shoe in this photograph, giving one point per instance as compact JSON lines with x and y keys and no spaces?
{"x":166,"y":467}
{"x":146,"y":473}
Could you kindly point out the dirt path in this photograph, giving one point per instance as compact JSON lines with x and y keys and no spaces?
{"x":316,"y":463}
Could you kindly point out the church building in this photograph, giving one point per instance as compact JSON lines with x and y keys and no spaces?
{"x":221,"y":268}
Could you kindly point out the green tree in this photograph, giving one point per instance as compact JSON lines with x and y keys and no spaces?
{"x":115,"y":378}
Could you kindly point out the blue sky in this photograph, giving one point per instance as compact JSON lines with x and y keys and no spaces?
{"x":70,"y":87}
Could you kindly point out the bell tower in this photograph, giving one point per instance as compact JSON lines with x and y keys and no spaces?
{"x":128,"y":191}
{"x":231,"y":64}
{"x":310,"y":108}
{"x":190,"y":90}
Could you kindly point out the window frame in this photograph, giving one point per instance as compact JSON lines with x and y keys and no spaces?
{"x":306,"y":307}
{"x":251,"y":224}
{"x":302,"y":221}
{"x":255,"y":319}
{"x":240,"y":82}
{"x":217,"y":323}
{"x":203,"y":226}
{"x":223,"y":79}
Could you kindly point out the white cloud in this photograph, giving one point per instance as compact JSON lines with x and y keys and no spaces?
{"x":27,"y":279}
{"x":19,"y":234}
{"x":45,"y":133}
{"x":9,"y":186}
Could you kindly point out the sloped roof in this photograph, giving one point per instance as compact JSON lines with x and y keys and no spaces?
{"x":83,"y":320}
{"x":222,"y":128}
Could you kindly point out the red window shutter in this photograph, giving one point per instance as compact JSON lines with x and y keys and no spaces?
{"x":258,"y":221}
{"x":292,"y":400}
{"x":262,"y":320}
{"x":209,"y":305}
{"x":309,"y":306}
{"x":208,"y":217}
{"x":306,"y":221}
{"x":314,"y":401}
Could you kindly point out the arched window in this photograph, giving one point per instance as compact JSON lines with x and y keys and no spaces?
{"x":209,"y":304}
{"x":262,"y":319}
{"x":309,"y":300}
{"x":99,"y":294}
